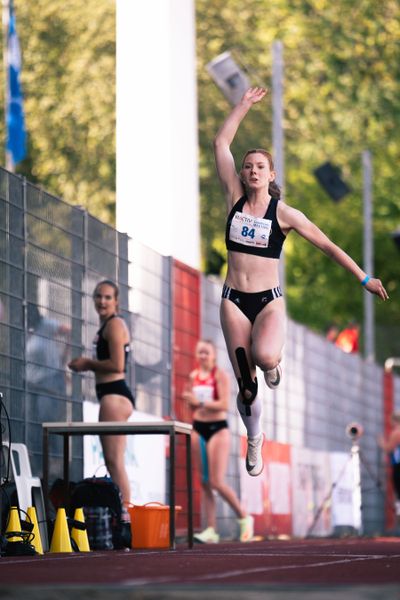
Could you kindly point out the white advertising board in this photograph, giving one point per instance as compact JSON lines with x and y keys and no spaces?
{"x":144,"y":458}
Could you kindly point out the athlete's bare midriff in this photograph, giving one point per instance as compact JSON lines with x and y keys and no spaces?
{"x":250,"y":273}
{"x":208,"y":416}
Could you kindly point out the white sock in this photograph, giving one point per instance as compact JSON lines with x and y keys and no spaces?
{"x":252,"y":421}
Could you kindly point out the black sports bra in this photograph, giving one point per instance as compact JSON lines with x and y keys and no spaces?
{"x":100,"y":345}
{"x":261,"y":236}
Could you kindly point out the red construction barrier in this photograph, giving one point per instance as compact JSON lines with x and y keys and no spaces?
{"x":388,"y":408}
{"x":186,"y":332}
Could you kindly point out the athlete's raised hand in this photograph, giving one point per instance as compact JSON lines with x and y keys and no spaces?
{"x":254,"y":95}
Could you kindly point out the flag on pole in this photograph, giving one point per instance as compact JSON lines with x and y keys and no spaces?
{"x":16,"y":133}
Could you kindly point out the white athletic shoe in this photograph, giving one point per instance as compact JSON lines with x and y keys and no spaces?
{"x":254,"y":461}
{"x":208,"y":536}
{"x":273,"y":377}
{"x":246,"y":528}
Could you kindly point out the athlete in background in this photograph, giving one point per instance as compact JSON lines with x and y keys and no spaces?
{"x":207,"y":393}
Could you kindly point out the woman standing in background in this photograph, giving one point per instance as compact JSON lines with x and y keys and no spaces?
{"x":207,"y":393}
{"x":111,"y":348}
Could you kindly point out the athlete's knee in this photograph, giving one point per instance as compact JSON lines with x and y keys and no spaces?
{"x":114,"y":460}
{"x":266,"y":359}
{"x":216,"y":483}
{"x":205,"y":484}
{"x":112,"y":466}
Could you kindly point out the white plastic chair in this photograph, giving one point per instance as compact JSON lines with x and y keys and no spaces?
{"x":29,"y":488}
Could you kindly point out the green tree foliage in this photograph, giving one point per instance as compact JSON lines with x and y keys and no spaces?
{"x":342,"y":96}
{"x":68,"y":52}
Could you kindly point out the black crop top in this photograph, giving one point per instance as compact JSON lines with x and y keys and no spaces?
{"x":254,"y":235}
{"x":100,"y":345}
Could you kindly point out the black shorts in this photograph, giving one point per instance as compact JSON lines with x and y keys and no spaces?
{"x":119,"y":388}
{"x":396,"y":479}
{"x":251,"y":303}
{"x":207,"y":428}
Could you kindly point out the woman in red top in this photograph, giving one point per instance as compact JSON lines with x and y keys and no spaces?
{"x":207,"y":392}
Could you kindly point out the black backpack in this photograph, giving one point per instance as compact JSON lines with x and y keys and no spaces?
{"x":101,"y":501}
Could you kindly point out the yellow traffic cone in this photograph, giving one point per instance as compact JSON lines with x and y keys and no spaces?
{"x":60,"y":540}
{"x":80,"y":535}
{"x":37,"y":540}
{"x":14,"y":525}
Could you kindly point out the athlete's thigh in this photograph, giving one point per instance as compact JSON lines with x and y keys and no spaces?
{"x":218,"y":448}
{"x":269,"y":328}
{"x":237,"y":330}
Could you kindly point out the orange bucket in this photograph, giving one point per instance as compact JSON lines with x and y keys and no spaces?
{"x":150,"y":525}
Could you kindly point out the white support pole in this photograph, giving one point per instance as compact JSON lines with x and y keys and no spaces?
{"x":279,"y":163}
{"x":157,"y":129}
{"x":357,"y":491}
{"x":368,"y":245}
{"x":277,"y":130}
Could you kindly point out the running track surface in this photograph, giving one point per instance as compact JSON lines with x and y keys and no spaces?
{"x":230,"y":566}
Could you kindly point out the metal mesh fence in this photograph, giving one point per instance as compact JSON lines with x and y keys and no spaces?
{"x":51,"y":256}
{"x":150,"y":279}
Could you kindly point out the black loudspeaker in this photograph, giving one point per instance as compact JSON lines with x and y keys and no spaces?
{"x":329,"y":179}
{"x":9,"y":498}
{"x":396,"y":238}
{"x":214,"y":263}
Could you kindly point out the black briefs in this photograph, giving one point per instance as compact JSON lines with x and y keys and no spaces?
{"x":251,"y":303}
{"x":207,"y":428}
{"x":396,"y":479}
{"x":119,"y":388}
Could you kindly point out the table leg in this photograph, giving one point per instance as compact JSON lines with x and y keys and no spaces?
{"x":45,"y":459}
{"x":66,"y":461}
{"x":172,"y":489}
{"x":189,"y":489}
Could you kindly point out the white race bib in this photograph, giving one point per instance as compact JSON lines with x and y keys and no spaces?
{"x":250,"y":231}
{"x":203,"y":393}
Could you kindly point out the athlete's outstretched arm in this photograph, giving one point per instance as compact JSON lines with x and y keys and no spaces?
{"x":295,"y":219}
{"x":223,"y":156}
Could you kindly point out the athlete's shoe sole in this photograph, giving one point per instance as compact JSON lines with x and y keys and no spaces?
{"x":273,"y":377}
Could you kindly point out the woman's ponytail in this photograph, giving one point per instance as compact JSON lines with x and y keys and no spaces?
{"x":274,"y":190}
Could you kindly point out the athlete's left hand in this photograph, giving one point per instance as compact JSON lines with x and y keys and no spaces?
{"x":79,"y":364}
{"x":375,"y":286}
{"x":190,"y":399}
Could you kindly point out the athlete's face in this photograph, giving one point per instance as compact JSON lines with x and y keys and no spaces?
{"x":205,"y":355}
{"x":256,"y":171}
{"x":105,"y":301}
